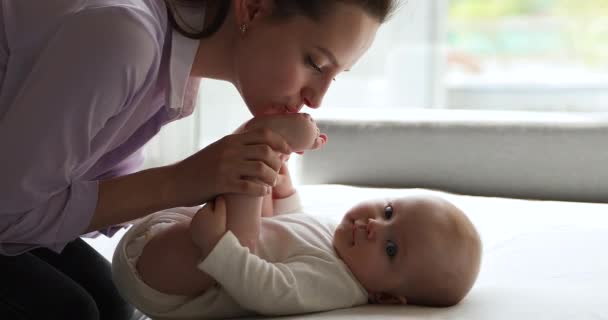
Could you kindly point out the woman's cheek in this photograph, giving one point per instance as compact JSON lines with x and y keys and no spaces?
{"x":296,"y":80}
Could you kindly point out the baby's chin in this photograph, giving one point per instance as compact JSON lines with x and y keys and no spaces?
{"x":337,"y":252}
{"x":334,"y":245}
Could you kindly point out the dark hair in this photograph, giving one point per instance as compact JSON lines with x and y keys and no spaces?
{"x":313,"y":9}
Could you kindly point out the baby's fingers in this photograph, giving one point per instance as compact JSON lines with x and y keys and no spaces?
{"x":219,"y":206}
{"x":218,"y":216}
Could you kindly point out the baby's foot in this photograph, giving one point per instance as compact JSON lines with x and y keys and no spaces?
{"x":299,"y":129}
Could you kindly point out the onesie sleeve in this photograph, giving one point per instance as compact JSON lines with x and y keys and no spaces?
{"x":300,"y":284}
{"x":87,"y":72}
{"x":287,"y":205}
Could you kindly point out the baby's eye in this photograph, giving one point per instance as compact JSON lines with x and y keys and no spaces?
{"x":388,"y":212}
{"x":391,"y":249}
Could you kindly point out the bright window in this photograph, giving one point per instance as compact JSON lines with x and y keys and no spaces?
{"x":527,"y":54}
{"x":549,"y":55}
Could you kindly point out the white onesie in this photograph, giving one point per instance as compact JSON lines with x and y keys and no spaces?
{"x":296,"y":270}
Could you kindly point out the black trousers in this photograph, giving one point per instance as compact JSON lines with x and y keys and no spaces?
{"x":76,"y":284}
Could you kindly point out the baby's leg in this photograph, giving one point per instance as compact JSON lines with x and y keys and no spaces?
{"x":168,"y":257}
{"x":243,"y":213}
{"x":243,"y":216}
{"x":168,"y":263}
{"x":301,"y":133}
{"x":267,"y":210}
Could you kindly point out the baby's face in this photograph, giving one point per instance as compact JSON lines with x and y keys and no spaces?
{"x":383,"y":241}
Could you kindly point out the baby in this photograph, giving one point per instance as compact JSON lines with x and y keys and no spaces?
{"x":202,"y":263}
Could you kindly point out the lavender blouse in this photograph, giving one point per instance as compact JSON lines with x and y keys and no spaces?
{"x":84,"y":84}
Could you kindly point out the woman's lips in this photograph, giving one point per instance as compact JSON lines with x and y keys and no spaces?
{"x":292,"y":109}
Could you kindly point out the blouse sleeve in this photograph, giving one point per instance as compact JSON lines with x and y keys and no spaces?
{"x":86,"y":73}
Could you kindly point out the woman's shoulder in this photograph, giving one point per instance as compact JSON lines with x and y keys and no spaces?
{"x":120,"y":36}
{"x":151,"y":13}
{"x":148,"y":16}
{"x":42,"y":19}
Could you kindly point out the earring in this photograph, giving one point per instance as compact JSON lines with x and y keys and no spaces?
{"x":243,"y":28}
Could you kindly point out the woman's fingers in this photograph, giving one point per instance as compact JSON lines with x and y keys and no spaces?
{"x":250,"y":187}
{"x":259,"y":172}
{"x":264,"y":154}
{"x":242,"y":163}
{"x":267,"y":137}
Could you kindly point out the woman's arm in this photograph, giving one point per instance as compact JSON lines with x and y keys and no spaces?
{"x":133,"y":196}
{"x":220,"y":168}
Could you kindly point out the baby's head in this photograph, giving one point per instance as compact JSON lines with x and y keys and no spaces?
{"x":418,"y":250}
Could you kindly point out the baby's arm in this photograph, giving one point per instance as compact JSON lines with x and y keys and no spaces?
{"x":303,"y":283}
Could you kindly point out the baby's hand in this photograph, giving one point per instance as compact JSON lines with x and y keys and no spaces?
{"x":299,"y":129}
{"x":209,"y":225}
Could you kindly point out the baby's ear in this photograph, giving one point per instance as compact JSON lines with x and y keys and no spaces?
{"x":386,"y":298}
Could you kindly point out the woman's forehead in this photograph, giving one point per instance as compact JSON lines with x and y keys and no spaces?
{"x":346,"y":32}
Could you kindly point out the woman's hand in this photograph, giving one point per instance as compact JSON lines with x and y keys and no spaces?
{"x":243,"y":163}
{"x":209,"y":225}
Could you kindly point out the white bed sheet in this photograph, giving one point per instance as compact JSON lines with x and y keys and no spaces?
{"x":541,"y":259}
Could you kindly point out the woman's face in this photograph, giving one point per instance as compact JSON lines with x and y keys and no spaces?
{"x":281,"y":66}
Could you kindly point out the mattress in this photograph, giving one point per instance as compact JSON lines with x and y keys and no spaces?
{"x":532,"y":155}
{"x":541,"y":259}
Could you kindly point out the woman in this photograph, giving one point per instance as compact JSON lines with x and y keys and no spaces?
{"x":85,"y":84}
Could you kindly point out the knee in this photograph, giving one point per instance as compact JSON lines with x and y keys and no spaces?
{"x":116,"y":309}
{"x":75,"y":306}
{"x":85,"y":307}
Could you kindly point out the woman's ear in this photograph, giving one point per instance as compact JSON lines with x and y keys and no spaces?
{"x":248,"y":11}
{"x":386,"y":298}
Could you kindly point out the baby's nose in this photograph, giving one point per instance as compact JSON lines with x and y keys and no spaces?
{"x":372,"y":228}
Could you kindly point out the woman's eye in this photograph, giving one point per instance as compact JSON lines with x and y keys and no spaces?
{"x":313,"y":64}
{"x":391,"y":249}
{"x":388,"y":212}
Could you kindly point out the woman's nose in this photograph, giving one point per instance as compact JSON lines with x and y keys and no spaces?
{"x":310,"y":98}
{"x":313,"y":96}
